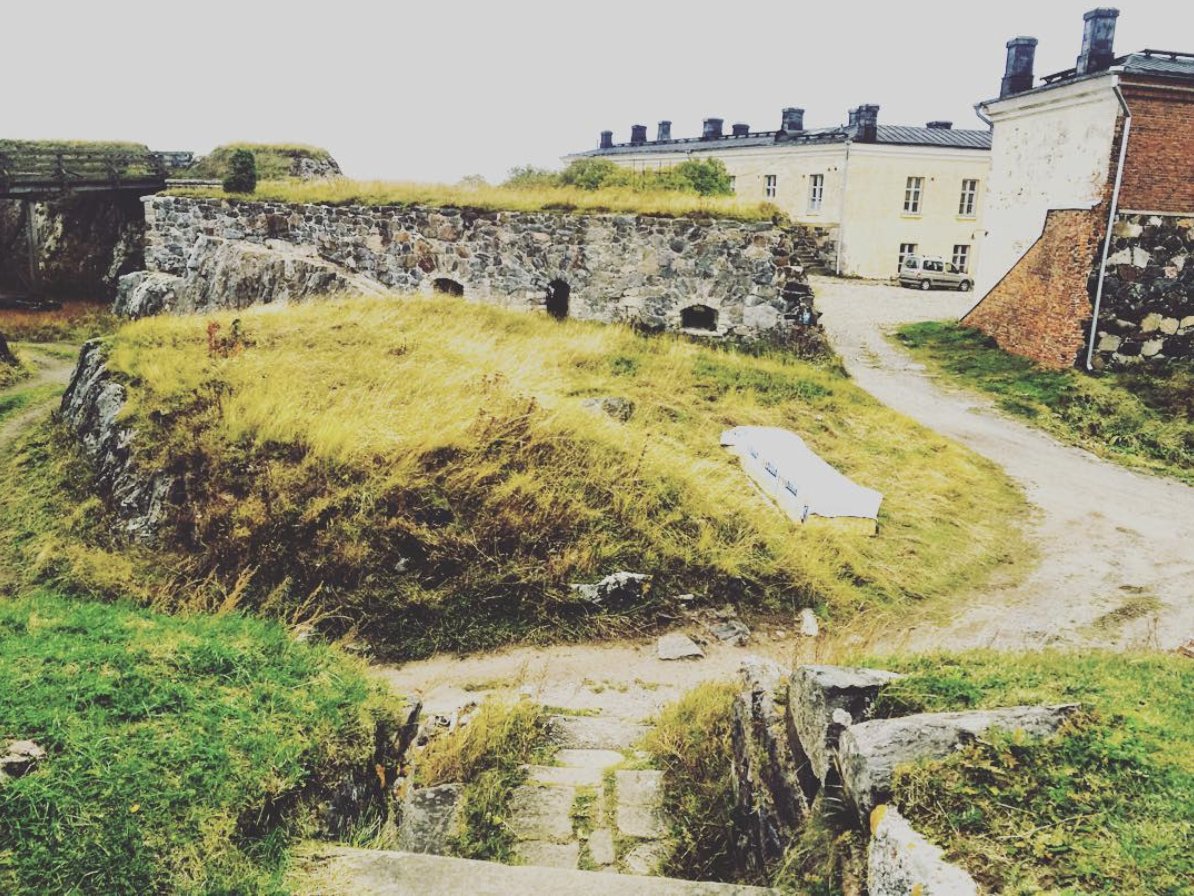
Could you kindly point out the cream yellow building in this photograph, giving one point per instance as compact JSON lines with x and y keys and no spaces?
{"x":879,"y":191}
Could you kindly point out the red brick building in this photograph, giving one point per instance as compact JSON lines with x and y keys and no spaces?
{"x":1090,"y":206}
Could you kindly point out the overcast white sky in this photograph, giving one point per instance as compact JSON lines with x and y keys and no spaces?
{"x":437,"y":90}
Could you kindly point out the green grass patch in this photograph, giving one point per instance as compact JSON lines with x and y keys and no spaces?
{"x":1139,"y":418}
{"x":16,"y":400}
{"x":185,"y":753}
{"x":423,"y":472}
{"x":487,"y":755}
{"x":1103,"y":808}
{"x":691,"y":744}
{"x":622,"y":200}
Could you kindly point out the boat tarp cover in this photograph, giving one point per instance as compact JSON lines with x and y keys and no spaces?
{"x":792,"y":475}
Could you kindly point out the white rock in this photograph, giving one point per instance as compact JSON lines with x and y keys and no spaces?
{"x":677,"y":646}
{"x":808,"y":623}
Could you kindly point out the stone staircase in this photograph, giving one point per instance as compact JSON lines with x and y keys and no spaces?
{"x":591,"y":810}
{"x":344,"y":871}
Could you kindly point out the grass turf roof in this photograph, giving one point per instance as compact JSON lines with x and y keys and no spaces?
{"x":342,"y":191}
{"x":424,"y":469}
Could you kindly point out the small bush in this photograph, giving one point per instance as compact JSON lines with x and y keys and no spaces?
{"x":242,"y":172}
{"x":691,"y":743}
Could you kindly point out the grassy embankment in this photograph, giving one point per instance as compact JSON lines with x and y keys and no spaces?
{"x":274,"y":160}
{"x":73,"y":323}
{"x":184,"y":753}
{"x":423,"y":472}
{"x":1139,"y":418}
{"x":626,"y":200}
{"x":1104,"y":808}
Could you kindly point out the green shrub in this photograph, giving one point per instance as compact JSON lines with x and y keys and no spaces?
{"x":242,"y":172}
{"x":528,"y":177}
{"x":708,"y":177}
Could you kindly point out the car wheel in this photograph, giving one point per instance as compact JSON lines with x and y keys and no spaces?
{"x":964,"y":286}
{"x":926,"y":285}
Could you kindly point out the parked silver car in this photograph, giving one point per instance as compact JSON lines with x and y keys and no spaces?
{"x":927,"y":271}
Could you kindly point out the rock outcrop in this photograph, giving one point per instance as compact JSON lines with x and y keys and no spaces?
{"x":91,"y":408}
{"x":900,"y":862}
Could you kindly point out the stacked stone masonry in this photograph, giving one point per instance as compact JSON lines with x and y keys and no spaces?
{"x":728,"y":278}
{"x":1147,"y":312}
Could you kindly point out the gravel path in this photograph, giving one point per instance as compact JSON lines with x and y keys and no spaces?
{"x":1116,"y":547}
{"x":50,"y":370}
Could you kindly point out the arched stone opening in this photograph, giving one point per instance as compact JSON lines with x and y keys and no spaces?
{"x":698,"y":317}
{"x":446,"y":286}
{"x":558,"y":292}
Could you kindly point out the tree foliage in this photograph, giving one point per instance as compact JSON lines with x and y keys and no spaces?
{"x":703,"y":177}
{"x":242,"y":172}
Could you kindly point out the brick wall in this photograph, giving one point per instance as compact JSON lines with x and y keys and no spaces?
{"x":1159,"y":174}
{"x":1041,"y":308}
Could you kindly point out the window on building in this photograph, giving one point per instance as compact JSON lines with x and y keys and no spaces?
{"x":733,"y":184}
{"x":962,"y":257}
{"x":912,"y":193}
{"x":906,"y":249}
{"x":769,"y":186}
{"x":816,"y":192}
{"x":966,"y":204}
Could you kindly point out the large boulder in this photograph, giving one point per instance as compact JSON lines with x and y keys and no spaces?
{"x":822,"y":700}
{"x":431,"y":819}
{"x":144,"y":293}
{"x":869,"y":752}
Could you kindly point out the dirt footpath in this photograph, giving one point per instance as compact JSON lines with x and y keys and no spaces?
{"x":1117,"y":547}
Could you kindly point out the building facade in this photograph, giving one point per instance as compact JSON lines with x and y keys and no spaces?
{"x":1089,"y":207}
{"x":878,"y":191}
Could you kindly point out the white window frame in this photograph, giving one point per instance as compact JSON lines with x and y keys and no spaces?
{"x":733,"y":184}
{"x":961,"y":259}
{"x":770,"y":183}
{"x":816,"y":192}
{"x":969,"y":199}
{"x":906,"y":249}
{"x":914,"y":189}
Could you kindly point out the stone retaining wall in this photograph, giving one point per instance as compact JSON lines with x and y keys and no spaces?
{"x":728,"y":278}
{"x":1147,"y":311}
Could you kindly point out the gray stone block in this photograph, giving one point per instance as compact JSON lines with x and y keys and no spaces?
{"x":549,"y":855}
{"x":900,"y":861}
{"x":639,"y":810}
{"x":594,"y":733}
{"x":601,"y":847}
{"x":869,"y":752}
{"x":814,"y":692}
{"x":542,"y":813}
{"x":430,"y":819}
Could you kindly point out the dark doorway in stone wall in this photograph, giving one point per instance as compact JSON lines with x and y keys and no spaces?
{"x":445,"y":286}
{"x":698,"y":317}
{"x":557,"y":299}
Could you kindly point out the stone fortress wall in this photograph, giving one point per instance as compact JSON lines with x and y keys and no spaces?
{"x":727,"y":278}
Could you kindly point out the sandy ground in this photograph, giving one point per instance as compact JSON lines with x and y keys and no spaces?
{"x":1108,"y":538}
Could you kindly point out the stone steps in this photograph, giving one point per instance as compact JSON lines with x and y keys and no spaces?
{"x":344,"y":871}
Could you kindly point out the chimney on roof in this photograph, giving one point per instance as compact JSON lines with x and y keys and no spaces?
{"x":793,"y":120}
{"x":740,"y":130}
{"x":940,"y":125}
{"x":607,"y":140}
{"x":638,"y":134}
{"x":864,"y":123}
{"x":1098,"y":38}
{"x":665,"y":131}
{"x":1017,"y":73}
{"x":712,"y":128}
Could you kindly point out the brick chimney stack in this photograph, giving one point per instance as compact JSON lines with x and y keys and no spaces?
{"x":793,"y":120}
{"x":638,"y":134}
{"x":1098,"y":39}
{"x":712,"y":128}
{"x":1017,"y":74}
{"x":665,"y":131}
{"x":607,"y":140}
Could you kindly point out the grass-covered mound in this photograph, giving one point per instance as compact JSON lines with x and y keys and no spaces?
{"x":524,"y":198}
{"x":425,"y":470}
{"x":275,"y":161}
{"x":1141,"y":418}
{"x":183,"y":752}
{"x":1106,"y":807}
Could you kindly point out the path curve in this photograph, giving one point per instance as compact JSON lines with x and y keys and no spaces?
{"x":1112,"y":542}
{"x":50,"y":370}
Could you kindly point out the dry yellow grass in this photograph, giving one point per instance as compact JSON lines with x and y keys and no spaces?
{"x":343,"y":191}
{"x":355,"y":437}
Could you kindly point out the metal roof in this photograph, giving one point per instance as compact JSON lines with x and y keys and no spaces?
{"x":884,"y":134}
{"x":1161,"y":63}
